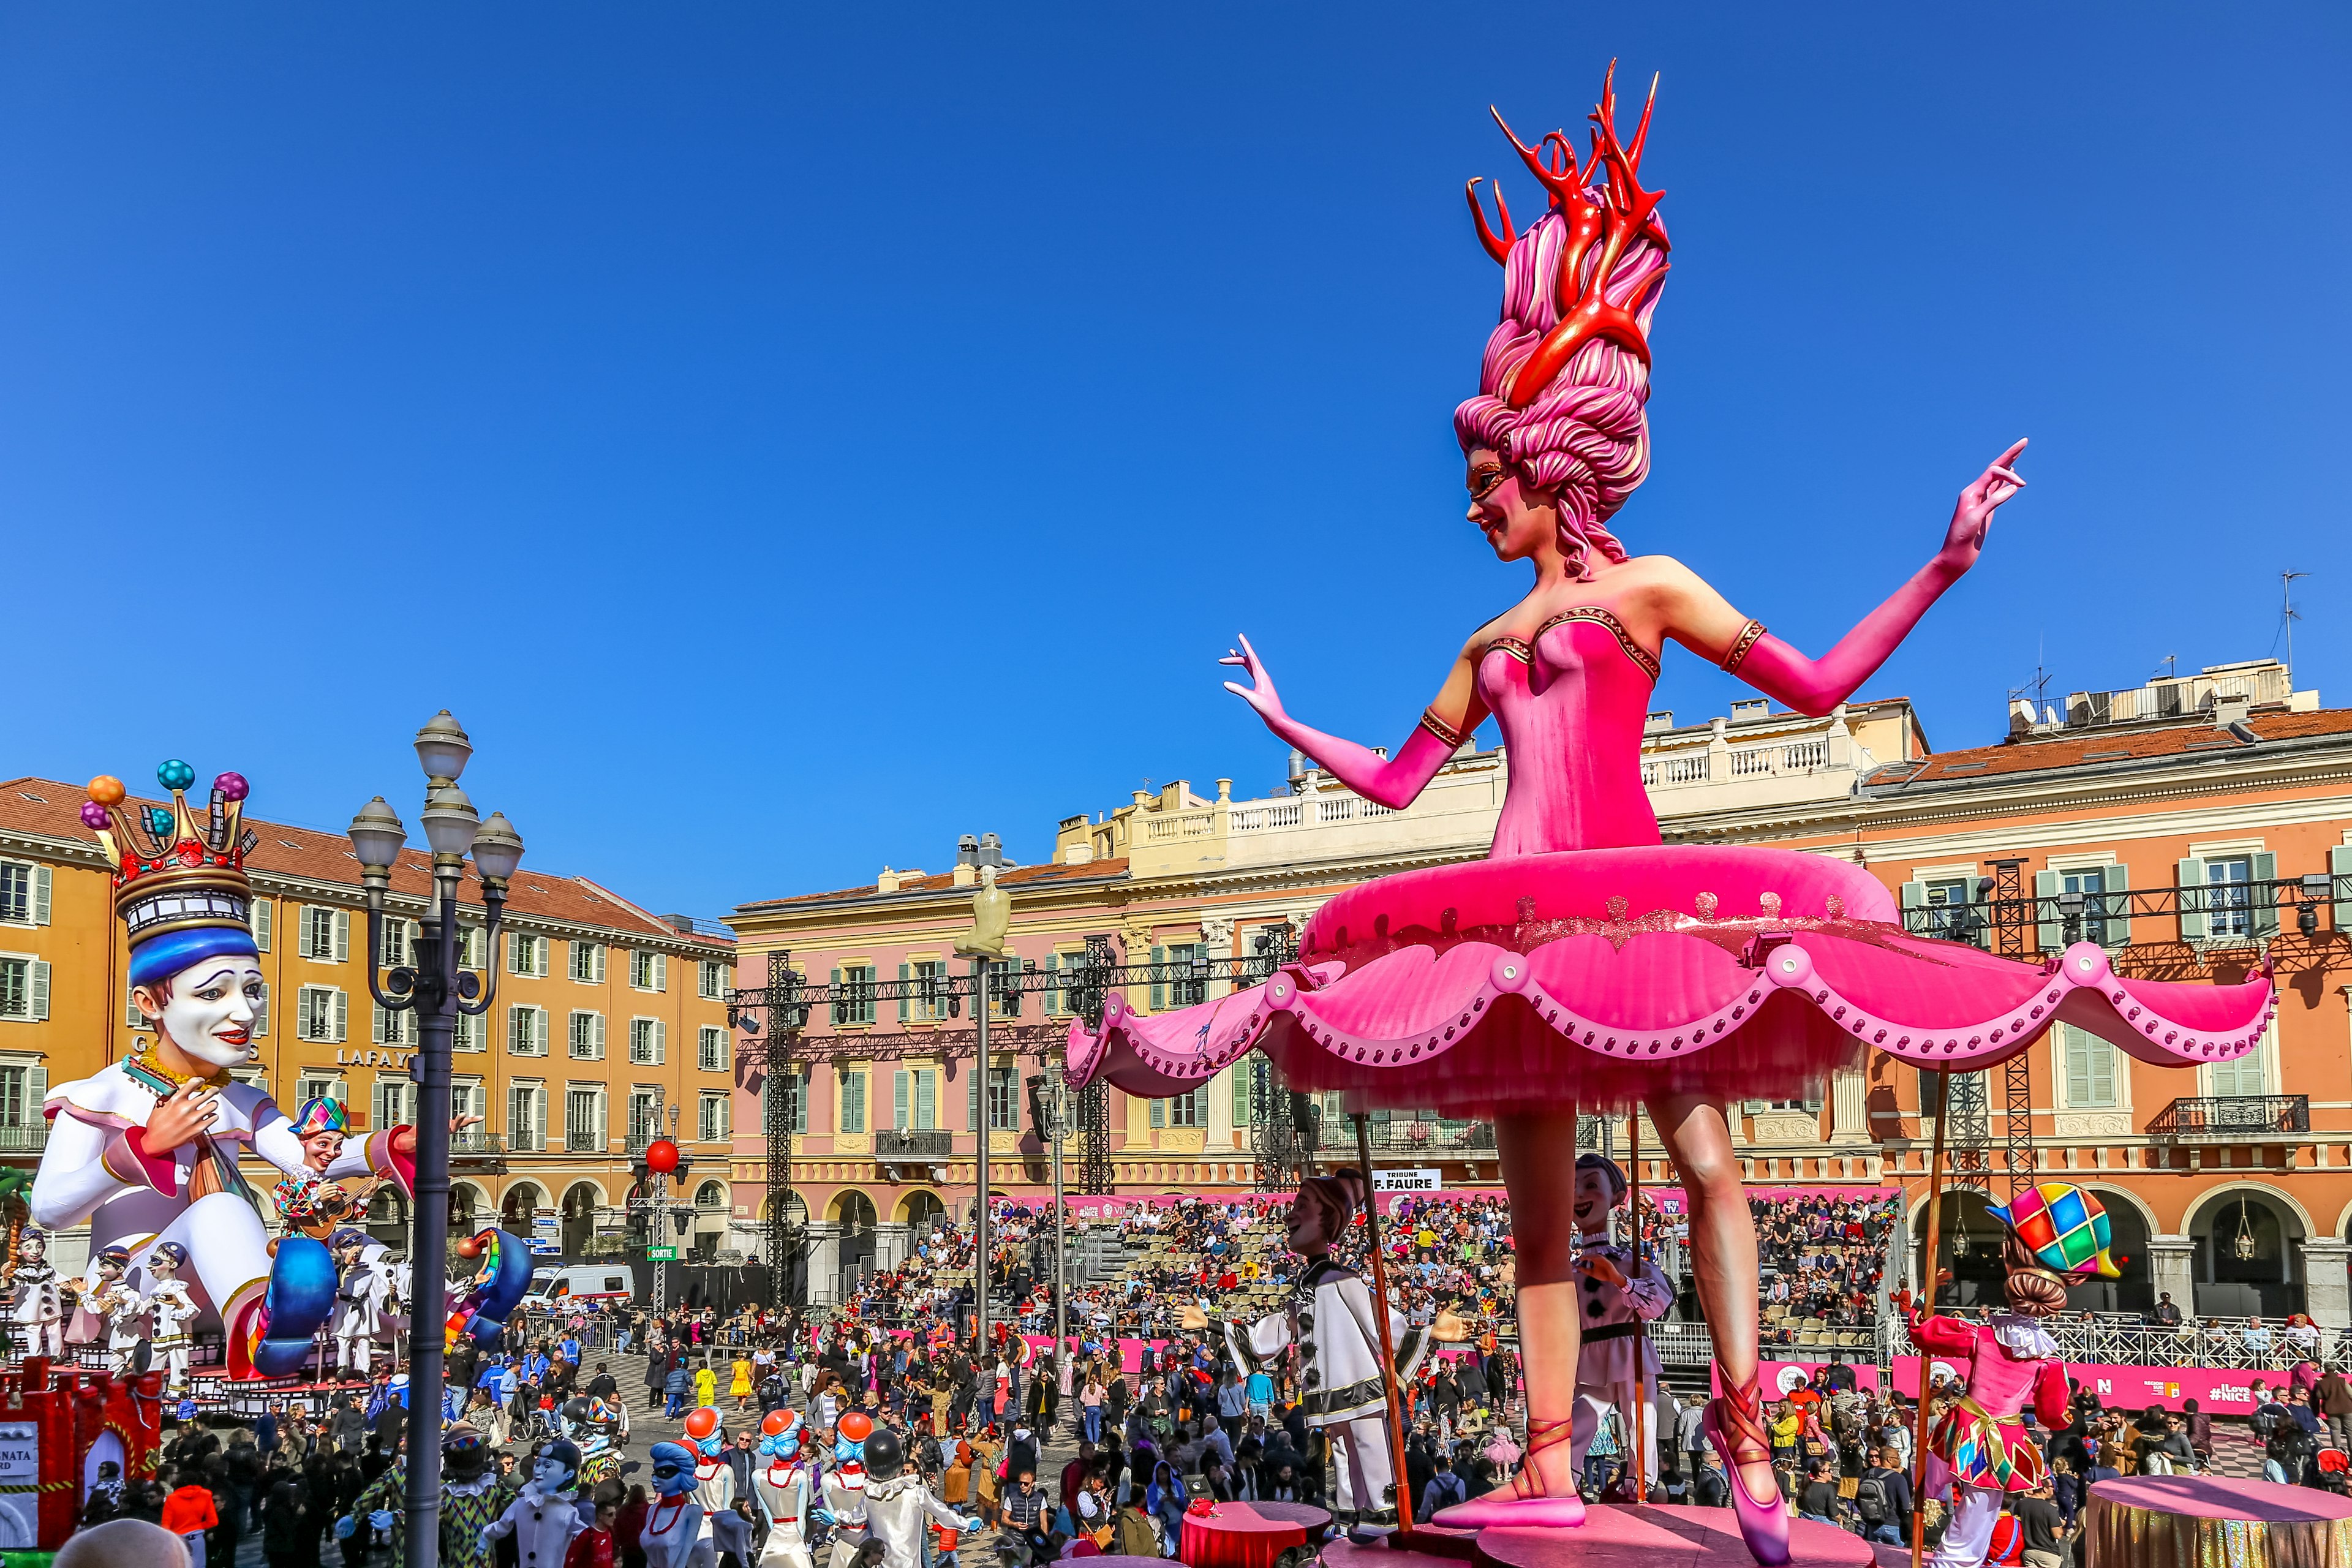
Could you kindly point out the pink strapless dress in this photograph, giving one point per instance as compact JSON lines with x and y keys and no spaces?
{"x":1585,"y":963}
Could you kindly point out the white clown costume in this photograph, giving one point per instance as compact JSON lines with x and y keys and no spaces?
{"x":182,"y":892}
{"x":1330,"y":1320}
{"x":40,"y":1310}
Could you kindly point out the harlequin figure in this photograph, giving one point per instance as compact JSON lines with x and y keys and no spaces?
{"x":169,"y":1307}
{"x":1616,"y":1366}
{"x":309,"y":1202}
{"x":471,"y":1502}
{"x":1330,"y":1319}
{"x":145,"y":1149}
{"x":39,"y":1312}
{"x":2058,"y":1233}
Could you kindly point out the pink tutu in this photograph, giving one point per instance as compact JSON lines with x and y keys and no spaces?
{"x":1600,"y":977}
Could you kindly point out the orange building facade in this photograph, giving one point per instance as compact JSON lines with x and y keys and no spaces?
{"x":608,"y":1018}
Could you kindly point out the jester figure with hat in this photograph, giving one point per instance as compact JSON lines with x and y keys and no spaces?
{"x":1583,"y":963}
{"x":1329,"y":1319}
{"x":2057,"y":1233}
{"x":1618,"y":1292}
{"x":40,"y":1314}
{"x":308,"y":1202}
{"x":145,"y":1149}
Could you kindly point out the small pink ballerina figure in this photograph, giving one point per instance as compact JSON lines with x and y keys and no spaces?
{"x":2057,"y":1232}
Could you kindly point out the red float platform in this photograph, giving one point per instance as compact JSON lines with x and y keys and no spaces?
{"x":1249,"y":1534}
{"x":1629,"y":1536}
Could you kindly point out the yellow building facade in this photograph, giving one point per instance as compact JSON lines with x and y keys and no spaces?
{"x":610,"y":1024}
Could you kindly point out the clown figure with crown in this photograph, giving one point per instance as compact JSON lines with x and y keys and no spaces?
{"x":2057,"y":1232}
{"x":145,"y":1149}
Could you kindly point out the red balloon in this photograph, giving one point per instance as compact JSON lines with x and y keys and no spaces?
{"x":858,"y":1426}
{"x":701,"y":1423}
{"x":661,"y":1156}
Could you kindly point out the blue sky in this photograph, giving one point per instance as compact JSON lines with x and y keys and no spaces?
{"x":830,"y":429}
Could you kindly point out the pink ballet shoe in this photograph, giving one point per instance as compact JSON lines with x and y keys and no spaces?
{"x":1517,"y":1509}
{"x":1734,"y":1425}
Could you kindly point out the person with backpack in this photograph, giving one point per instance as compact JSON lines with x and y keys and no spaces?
{"x":1444,"y":1489}
{"x":1882,"y":1497}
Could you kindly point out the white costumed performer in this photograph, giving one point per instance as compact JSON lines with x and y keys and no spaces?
{"x":39,"y":1313}
{"x":1615,"y":1297}
{"x":1330,"y":1319}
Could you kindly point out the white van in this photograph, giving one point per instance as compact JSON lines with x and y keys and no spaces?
{"x":557,"y":1283}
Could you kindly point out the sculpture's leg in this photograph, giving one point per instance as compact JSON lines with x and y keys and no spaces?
{"x":1538,"y":1161}
{"x":1698,"y":1136}
{"x":1365,"y":1441}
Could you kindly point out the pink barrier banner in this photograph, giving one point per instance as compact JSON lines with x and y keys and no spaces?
{"x":1780,"y":1377}
{"x":2219,"y":1390}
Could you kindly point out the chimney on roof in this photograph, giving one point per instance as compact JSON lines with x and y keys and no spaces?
{"x":2230,"y":708}
{"x":992,"y":850}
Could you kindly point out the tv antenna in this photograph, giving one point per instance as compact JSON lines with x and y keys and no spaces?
{"x":2287,"y":616}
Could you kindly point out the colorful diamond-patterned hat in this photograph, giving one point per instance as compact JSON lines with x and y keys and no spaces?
{"x":2063,"y":1226}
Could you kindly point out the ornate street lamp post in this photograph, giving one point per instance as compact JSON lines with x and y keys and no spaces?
{"x":436,"y":988}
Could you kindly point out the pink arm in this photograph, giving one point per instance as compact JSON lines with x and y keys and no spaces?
{"x":1390,"y":781}
{"x":2051,"y":1397}
{"x":1944,"y":1336}
{"x":1815,"y":686}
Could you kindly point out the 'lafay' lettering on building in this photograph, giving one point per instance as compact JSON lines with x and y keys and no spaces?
{"x":349,"y":1059}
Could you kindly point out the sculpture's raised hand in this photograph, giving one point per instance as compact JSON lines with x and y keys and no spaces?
{"x":1972,"y":513}
{"x":1261,"y":694}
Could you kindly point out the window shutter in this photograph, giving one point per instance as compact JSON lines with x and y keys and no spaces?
{"x":261,"y":1013}
{"x":597,"y":961}
{"x":839,"y":1012}
{"x":1242,"y":1080}
{"x":342,"y":935}
{"x":2118,"y":906}
{"x":661,"y":972}
{"x":2339,"y":871}
{"x":2049,"y":927}
{"x":1755,"y":1107}
{"x":2266,"y":910}
{"x":1053,"y":984}
{"x":898,"y":1107}
{"x":1158,"y":999}
{"x":599,"y":1028}
{"x":1813,"y":1108}
{"x":661,"y":1042}
{"x":40,"y":895}
{"x":2190,"y":877}
{"x":538,"y":1118}
{"x":259,"y":916}
{"x":1159,"y":1106}
{"x":378,"y":1024}
{"x":342,"y":1016}
{"x":971,"y":1098}
{"x":1913,"y":897}
{"x":906,"y":973}
{"x":40,"y":968}
{"x":1010,"y":980}
{"x":133,"y":1018}
{"x":37,"y":1093}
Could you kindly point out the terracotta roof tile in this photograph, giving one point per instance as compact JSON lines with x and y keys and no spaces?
{"x":944,"y":882}
{"x":48,"y":808}
{"x":2101,"y":744}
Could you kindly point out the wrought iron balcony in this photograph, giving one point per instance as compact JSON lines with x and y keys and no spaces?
{"x":1397,"y":1136}
{"x":913,"y":1143}
{"x":24,"y":1139}
{"x":475,"y":1141}
{"x":2234,"y":1118}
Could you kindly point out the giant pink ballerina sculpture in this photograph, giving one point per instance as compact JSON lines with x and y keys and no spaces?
{"x":1583,"y":963}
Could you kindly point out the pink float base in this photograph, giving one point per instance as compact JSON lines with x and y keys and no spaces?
{"x":1627,"y":1537}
